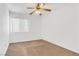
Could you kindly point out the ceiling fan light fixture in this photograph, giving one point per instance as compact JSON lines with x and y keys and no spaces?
{"x":37,"y":12}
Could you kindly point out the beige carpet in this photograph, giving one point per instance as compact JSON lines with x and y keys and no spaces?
{"x":37,"y":48}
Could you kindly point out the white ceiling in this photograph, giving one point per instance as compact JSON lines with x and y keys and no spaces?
{"x":22,"y":7}
{"x":19,"y":7}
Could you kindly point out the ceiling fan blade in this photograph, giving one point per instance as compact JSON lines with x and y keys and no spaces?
{"x":31,"y":12}
{"x":30,"y":8}
{"x":38,"y":5}
{"x":47,"y":10}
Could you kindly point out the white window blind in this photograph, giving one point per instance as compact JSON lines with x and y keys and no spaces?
{"x":18,"y":25}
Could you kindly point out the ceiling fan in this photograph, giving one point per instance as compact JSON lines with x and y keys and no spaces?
{"x":39,"y":8}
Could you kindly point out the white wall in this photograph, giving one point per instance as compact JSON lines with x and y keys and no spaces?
{"x":4,"y":28}
{"x":34,"y":28}
{"x":62,"y":26}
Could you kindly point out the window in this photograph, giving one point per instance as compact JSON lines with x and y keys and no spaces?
{"x":18,"y":25}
